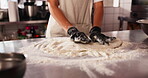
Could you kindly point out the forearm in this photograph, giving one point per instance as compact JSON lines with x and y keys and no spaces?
{"x":98,"y":14}
{"x":59,"y":16}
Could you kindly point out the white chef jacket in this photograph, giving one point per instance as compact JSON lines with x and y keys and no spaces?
{"x":79,"y":16}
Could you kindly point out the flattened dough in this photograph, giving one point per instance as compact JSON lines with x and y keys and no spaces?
{"x":63,"y":46}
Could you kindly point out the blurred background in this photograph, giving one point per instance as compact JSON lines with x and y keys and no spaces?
{"x":21,"y":19}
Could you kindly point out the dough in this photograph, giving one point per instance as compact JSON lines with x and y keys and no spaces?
{"x":63,"y":46}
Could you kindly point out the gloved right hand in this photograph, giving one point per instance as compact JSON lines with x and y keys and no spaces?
{"x":78,"y":37}
{"x":97,"y":36}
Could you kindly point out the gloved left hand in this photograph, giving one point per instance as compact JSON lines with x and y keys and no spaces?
{"x":78,"y":37}
{"x":97,"y":36}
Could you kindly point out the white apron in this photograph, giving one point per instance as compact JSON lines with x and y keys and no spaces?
{"x":78,"y":12}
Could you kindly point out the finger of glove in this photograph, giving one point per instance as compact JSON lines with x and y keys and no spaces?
{"x":84,"y":38}
{"x":97,"y":38}
{"x":75,"y":38}
{"x":93,"y":37}
{"x":102,"y":40}
{"x":81,"y":40}
{"x":80,"y":37}
{"x":109,"y":39}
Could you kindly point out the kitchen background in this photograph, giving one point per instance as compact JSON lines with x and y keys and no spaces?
{"x":112,"y":10}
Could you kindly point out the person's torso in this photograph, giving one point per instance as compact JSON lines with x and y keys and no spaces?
{"x":77,"y":11}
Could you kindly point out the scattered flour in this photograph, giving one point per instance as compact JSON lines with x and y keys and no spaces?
{"x":65,"y":47}
{"x":86,"y":57}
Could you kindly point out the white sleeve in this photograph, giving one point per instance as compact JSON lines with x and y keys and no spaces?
{"x":97,"y":0}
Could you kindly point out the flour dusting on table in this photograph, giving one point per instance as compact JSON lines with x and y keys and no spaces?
{"x":87,"y":57}
{"x":64,"y":47}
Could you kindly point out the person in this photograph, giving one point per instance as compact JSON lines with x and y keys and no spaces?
{"x":77,"y":19}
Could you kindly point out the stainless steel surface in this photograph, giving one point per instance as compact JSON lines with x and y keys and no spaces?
{"x":25,"y":22}
{"x":15,"y":45}
{"x":12,"y":65}
{"x":31,"y":10}
{"x":144,"y":25}
{"x":1,"y":15}
{"x":124,"y":69}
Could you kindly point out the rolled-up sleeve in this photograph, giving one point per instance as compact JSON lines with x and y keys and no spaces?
{"x":97,"y":0}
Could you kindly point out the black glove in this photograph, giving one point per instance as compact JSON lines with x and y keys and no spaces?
{"x":78,"y":37}
{"x":96,"y":36}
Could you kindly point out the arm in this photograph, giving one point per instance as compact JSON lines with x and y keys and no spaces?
{"x":58,"y":15}
{"x":98,"y":14}
{"x":75,"y":35}
{"x":95,"y":32}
